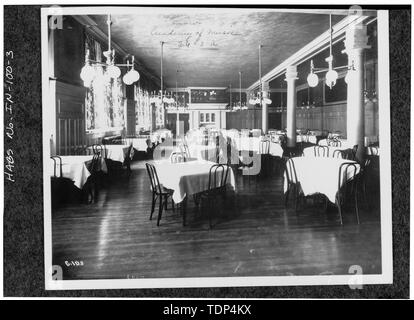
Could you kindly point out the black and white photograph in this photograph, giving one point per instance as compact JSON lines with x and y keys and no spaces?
{"x":215,"y":146}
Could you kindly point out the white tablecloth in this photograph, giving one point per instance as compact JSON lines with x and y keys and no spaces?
{"x":319,"y":175}
{"x":187,"y":178}
{"x":76,"y":168}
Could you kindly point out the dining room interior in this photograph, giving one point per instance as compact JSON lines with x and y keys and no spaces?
{"x":214,"y":142}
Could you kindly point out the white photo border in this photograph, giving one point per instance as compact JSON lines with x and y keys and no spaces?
{"x":386,"y":276}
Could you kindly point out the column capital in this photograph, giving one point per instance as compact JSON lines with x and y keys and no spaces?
{"x":265,"y":86}
{"x":291,"y":73}
{"x":356,"y":38}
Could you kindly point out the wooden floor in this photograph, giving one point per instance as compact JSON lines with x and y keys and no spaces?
{"x":254,"y":235}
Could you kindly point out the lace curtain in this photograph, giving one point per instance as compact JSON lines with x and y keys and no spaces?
{"x":104,"y":98}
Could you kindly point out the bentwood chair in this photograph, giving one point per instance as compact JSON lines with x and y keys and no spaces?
{"x":61,"y":187}
{"x":340,"y":154}
{"x":158,"y":192}
{"x":177,"y":157}
{"x":292,"y":183}
{"x":264,"y":151}
{"x":334,"y":142}
{"x":362,"y":182}
{"x":217,"y":181}
{"x":92,"y":185}
{"x":347,"y":188}
{"x":321,"y":151}
{"x":354,"y":152}
{"x":185,"y":150}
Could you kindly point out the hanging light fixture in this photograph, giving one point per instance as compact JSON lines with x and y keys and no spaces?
{"x":261,"y":96}
{"x":89,"y":72}
{"x":280,"y":108}
{"x":162,"y":97}
{"x":331,"y":75}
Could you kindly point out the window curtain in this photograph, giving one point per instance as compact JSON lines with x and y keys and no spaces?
{"x":104,"y":98}
{"x":143,"y":110}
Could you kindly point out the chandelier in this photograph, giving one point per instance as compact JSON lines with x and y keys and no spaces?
{"x":261,"y":96}
{"x":239,"y":105}
{"x":331,"y":74}
{"x":308,"y":104}
{"x":280,"y":108}
{"x":90,"y":72}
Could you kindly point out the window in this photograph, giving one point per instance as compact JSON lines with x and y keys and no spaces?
{"x":207,"y":118}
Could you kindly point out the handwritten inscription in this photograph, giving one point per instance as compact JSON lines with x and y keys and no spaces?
{"x":203,"y":37}
{"x":9,"y":113}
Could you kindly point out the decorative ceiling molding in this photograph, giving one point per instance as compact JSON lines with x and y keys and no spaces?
{"x":313,"y":48}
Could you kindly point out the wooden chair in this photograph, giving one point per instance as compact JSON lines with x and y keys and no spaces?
{"x":293,"y":185}
{"x":340,"y":154}
{"x":158,"y":192}
{"x":92,"y":185}
{"x":321,"y":151}
{"x":264,"y":151}
{"x":347,"y":187}
{"x":61,"y":187}
{"x":177,"y":157}
{"x":217,"y":181}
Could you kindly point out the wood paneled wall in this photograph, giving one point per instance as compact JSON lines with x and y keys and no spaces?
{"x":244,"y":119}
{"x":70,"y":118}
{"x":328,"y":117}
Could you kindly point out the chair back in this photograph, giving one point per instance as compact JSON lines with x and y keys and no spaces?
{"x":98,"y":149}
{"x":218,"y":176}
{"x":127,"y":160}
{"x":94,"y":166}
{"x":54,"y":158}
{"x":184,"y":150}
{"x":347,"y":176}
{"x":290,"y":171}
{"x":264,"y":147}
{"x":177,"y":156}
{"x":321,"y":151}
{"x":153,"y":176}
{"x":354,"y":151}
{"x":334,"y":142}
{"x":341,"y":154}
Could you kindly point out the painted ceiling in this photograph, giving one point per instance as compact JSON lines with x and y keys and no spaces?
{"x":209,"y":47}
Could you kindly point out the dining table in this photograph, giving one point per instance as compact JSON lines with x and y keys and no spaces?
{"x":114,"y":152}
{"x":187,"y":178}
{"x":321,"y":175}
{"x":76,"y":168}
{"x":140,"y":143}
